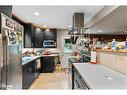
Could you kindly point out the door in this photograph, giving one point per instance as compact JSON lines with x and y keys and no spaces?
{"x":64,"y":59}
{"x":66,"y":51}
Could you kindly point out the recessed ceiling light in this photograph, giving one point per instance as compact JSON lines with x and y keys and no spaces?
{"x":45,"y":25}
{"x":37,"y":13}
{"x":38,"y":29}
{"x":99,"y":30}
{"x":47,"y":29}
{"x":69,"y":26}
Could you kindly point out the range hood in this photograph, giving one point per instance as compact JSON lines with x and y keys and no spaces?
{"x":78,"y":24}
{"x":78,"y":29}
{"x":78,"y":20}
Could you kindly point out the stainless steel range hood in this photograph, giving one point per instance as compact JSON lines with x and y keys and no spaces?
{"x":78,"y":20}
{"x":78,"y":23}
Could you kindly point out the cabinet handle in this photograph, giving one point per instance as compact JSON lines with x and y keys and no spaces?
{"x":32,"y":44}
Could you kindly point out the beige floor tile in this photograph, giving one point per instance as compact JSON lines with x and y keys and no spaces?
{"x":56,"y":80}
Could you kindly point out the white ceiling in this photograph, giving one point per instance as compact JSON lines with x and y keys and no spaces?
{"x":54,"y":16}
{"x":113,"y":23}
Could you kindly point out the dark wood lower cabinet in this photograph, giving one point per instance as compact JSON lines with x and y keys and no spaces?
{"x":28,"y":72}
{"x":77,"y":80}
{"x":47,"y":64}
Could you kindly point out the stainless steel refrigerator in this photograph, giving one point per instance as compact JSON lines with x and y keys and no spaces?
{"x":10,"y":53}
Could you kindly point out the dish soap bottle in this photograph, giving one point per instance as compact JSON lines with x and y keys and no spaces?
{"x":113,"y":44}
{"x":126,"y":44}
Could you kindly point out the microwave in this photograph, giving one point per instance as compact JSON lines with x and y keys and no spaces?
{"x":49,"y":43}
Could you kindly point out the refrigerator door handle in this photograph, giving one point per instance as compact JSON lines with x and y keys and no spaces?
{"x":4,"y":63}
{"x":2,"y":72}
{"x":1,"y":57}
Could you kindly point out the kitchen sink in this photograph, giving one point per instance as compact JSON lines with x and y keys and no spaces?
{"x":26,"y":58}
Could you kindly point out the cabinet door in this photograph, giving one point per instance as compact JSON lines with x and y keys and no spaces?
{"x":54,"y":34}
{"x":29,"y":36}
{"x":28,"y":74}
{"x":47,"y":35}
{"x":39,"y":37}
{"x":25,"y":82}
{"x":50,"y":34}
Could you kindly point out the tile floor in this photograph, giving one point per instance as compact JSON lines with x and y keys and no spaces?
{"x":55,"y":80}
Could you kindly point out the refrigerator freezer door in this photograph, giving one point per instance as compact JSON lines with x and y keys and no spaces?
{"x":14,"y":80}
{"x":1,"y":62}
{"x":12,"y":67}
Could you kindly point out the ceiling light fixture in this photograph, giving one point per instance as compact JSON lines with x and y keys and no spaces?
{"x":38,"y":29}
{"x":44,"y":25}
{"x":47,"y":29}
{"x":99,"y":30}
{"x":37,"y":13}
{"x":69,"y":26}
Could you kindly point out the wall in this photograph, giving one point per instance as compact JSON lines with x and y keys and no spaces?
{"x":115,"y":61}
{"x":61,"y":33}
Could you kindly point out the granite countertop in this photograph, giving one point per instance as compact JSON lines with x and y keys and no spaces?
{"x":100,"y":77}
{"x":26,"y":60}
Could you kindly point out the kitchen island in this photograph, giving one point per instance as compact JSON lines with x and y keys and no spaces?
{"x":96,"y":76}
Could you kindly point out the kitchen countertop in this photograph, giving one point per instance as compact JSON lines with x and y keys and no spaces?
{"x":26,"y":60}
{"x":101,"y":77}
{"x":112,"y":51}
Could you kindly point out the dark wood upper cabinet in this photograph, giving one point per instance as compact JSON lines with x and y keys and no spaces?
{"x":50,"y":34}
{"x":38,"y":37}
{"x":34,"y":36}
{"x":29,"y":36}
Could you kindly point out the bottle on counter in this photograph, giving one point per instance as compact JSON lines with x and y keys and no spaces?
{"x":114,"y":44}
{"x":126,"y":44}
